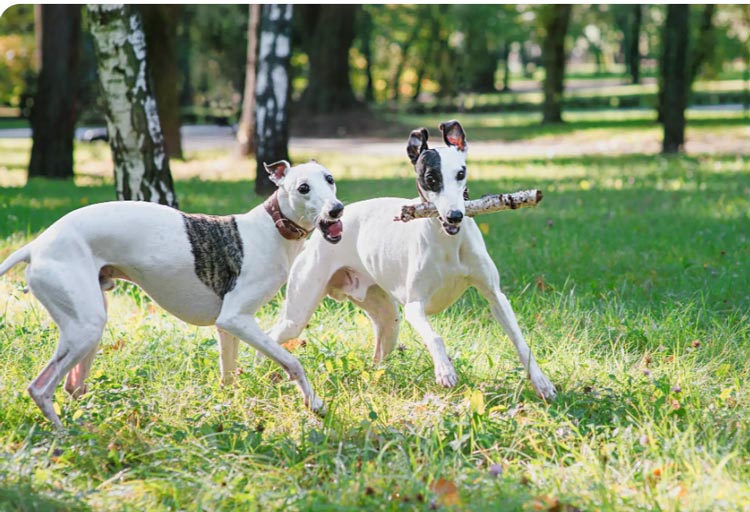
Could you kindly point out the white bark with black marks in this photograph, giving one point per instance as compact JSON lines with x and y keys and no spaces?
{"x":135,"y":136}
{"x":272,"y":91}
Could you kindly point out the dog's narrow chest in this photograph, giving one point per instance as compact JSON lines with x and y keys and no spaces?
{"x":217,"y":250}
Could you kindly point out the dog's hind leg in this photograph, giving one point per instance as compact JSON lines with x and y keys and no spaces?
{"x":229,"y":347}
{"x":385,"y":317}
{"x":487,"y":281}
{"x":415,"y":314}
{"x":75,"y":382}
{"x":76,"y":304}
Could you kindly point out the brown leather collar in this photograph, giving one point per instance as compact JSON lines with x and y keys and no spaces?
{"x":286,"y":227}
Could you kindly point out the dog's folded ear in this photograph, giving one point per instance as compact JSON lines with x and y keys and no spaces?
{"x":277,"y":170}
{"x":417,"y":144}
{"x":453,"y":134}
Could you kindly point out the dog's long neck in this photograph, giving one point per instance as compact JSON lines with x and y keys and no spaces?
{"x":288,"y":211}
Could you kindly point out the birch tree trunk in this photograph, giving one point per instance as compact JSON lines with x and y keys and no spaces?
{"x":135,"y":135}
{"x":54,"y":113}
{"x":272,"y":92}
{"x":246,"y":129}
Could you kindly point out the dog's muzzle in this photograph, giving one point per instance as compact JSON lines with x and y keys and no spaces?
{"x":331,"y":227}
{"x":452,"y":222}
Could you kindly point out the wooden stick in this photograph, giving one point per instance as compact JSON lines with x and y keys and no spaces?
{"x":486,"y":204}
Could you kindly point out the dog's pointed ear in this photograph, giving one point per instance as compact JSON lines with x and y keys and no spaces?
{"x":453,"y":134}
{"x":417,"y":144}
{"x":277,"y":170}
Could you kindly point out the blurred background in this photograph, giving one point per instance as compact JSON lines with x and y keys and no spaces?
{"x":377,"y":71}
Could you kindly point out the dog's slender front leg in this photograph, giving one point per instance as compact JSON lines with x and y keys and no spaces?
{"x":415,"y":314}
{"x":503,"y":313}
{"x":245,"y":328}
{"x":228,"y":350}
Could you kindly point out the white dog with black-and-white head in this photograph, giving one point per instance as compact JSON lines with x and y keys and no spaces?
{"x":205,"y":270}
{"x":425,"y":265}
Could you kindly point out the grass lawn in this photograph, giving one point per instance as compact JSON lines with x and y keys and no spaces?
{"x":630,"y":280}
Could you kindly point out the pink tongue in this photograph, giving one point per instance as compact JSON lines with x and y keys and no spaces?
{"x":335,"y":229}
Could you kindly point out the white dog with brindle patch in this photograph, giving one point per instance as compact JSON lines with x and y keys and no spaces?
{"x":425,"y":265}
{"x":203,"y":269}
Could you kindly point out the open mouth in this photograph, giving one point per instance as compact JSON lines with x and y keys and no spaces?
{"x":331,"y":230}
{"x":450,"y":229}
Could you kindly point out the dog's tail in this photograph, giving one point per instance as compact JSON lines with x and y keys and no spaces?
{"x":22,"y":254}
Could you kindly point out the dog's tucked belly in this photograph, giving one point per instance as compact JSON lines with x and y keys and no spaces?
{"x":186,"y":298}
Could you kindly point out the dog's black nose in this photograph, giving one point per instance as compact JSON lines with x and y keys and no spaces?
{"x":454,"y":217}
{"x":336,"y":211}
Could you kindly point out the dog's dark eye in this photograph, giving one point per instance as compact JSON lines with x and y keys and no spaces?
{"x":329,"y":179}
{"x":304,"y":188}
{"x":461,"y":174}
{"x":430,"y":180}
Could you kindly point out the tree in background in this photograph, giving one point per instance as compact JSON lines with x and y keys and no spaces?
{"x":630,"y":19}
{"x":705,"y":43}
{"x":674,"y":72}
{"x":272,"y":92}
{"x":554,"y":21}
{"x":160,"y":26}
{"x":54,"y":112}
{"x":135,"y":136}
{"x":327,"y":33}
{"x":246,"y":128}
{"x":364,"y":32}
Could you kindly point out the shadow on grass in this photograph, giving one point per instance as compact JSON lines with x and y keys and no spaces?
{"x":22,"y":498}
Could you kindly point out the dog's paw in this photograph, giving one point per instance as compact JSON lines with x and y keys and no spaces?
{"x":544,"y":387}
{"x":317,"y":406}
{"x":446,"y":376}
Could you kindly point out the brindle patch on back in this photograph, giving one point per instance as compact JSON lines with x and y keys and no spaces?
{"x":217,"y":249}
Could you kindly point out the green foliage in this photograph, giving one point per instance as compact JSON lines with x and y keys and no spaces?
{"x":630,"y":280}
{"x":16,"y":53}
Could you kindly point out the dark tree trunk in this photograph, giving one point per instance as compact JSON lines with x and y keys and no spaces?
{"x":135,"y":136}
{"x":272,"y":92}
{"x":555,"y":20}
{"x":327,"y":34}
{"x":430,"y":52}
{"x":633,"y":56}
{"x":160,"y":26}
{"x":506,"y":66}
{"x":184,"y":56}
{"x":482,"y":78}
{"x":675,"y":76}
{"x":405,"y":47}
{"x":525,"y":61}
{"x":246,"y":129}
{"x":366,"y":35}
{"x":706,"y":44}
{"x":53,"y":116}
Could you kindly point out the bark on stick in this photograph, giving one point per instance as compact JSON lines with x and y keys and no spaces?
{"x":485,"y":204}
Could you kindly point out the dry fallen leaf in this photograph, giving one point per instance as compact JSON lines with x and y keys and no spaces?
{"x":446,"y":491}
{"x":294,"y":344}
{"x":117,"y":345}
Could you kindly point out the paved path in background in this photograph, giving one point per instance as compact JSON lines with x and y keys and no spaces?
{"x":221,"y":138}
